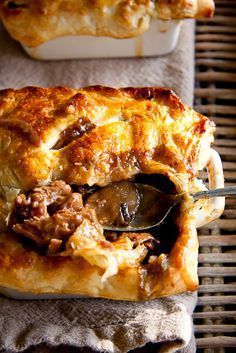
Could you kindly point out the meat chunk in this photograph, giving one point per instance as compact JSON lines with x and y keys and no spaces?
{"x":54,"y":246}
{"x":35,"y":205}
{"x":76,"y":130}
{"x":72,"y":202}
{"x":60,"y":226}
{"x":48,"y":215}
{"x":144,"y":238}
{"x":152,"y":244}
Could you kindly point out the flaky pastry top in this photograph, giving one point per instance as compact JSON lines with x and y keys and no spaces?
{"x":97,"y":135}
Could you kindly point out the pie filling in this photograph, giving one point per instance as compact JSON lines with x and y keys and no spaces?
{"x":67,"y":220}
{"x":12,"y":5}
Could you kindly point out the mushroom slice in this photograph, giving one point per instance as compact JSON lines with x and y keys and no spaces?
{"x":115,"y":204}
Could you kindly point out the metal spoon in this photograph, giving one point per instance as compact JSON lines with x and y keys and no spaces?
{"x":155,"y":206}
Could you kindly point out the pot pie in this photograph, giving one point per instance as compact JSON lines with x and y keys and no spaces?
{"x":61,"y":149}
{"x":35,"y":22}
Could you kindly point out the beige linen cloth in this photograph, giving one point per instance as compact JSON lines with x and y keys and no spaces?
{"x":87,"y":325}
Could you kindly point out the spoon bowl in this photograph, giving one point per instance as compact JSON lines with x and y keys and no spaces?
{"x":154,"y":207}
{"x":133,"y":207}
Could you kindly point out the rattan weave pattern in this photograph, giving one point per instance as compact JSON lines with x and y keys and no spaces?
{"x":215,"y":96}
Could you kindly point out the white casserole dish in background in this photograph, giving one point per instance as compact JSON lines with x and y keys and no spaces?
{"x":160,"y":39}
{"x":100,"y":28}
{"x":206,"y":210}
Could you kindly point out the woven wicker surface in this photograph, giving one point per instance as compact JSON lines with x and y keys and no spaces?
{"x":215,"y":96}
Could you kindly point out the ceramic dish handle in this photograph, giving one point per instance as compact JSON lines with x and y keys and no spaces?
{"x":214,"y":207}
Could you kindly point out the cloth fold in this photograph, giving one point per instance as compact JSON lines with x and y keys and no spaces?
{"x":100,"y":324}
{"x":87,"y":325}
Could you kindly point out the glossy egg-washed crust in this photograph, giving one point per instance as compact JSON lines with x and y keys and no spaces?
{"x":135,"y":130}
{"x":35,"y":22}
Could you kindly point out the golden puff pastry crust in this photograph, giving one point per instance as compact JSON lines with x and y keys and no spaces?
{"x":35,"y":22}
{"x":95,"y":136}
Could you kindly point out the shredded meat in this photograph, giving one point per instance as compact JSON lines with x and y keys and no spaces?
{"x":60,"y":226}
{"x":71,"y":202}
{"x":152,"y":244}
{"x":48,"y":215}
{"x":35,"y":205}
{"x":54,"y":246}
{"x":144,"y":238}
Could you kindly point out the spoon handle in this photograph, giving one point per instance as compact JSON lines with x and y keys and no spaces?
{"x":231,"y":190}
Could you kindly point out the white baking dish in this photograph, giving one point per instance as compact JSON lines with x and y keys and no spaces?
{"x":160,"y":39}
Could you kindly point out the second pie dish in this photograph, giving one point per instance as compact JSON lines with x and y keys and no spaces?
{"x":59,"y":29}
